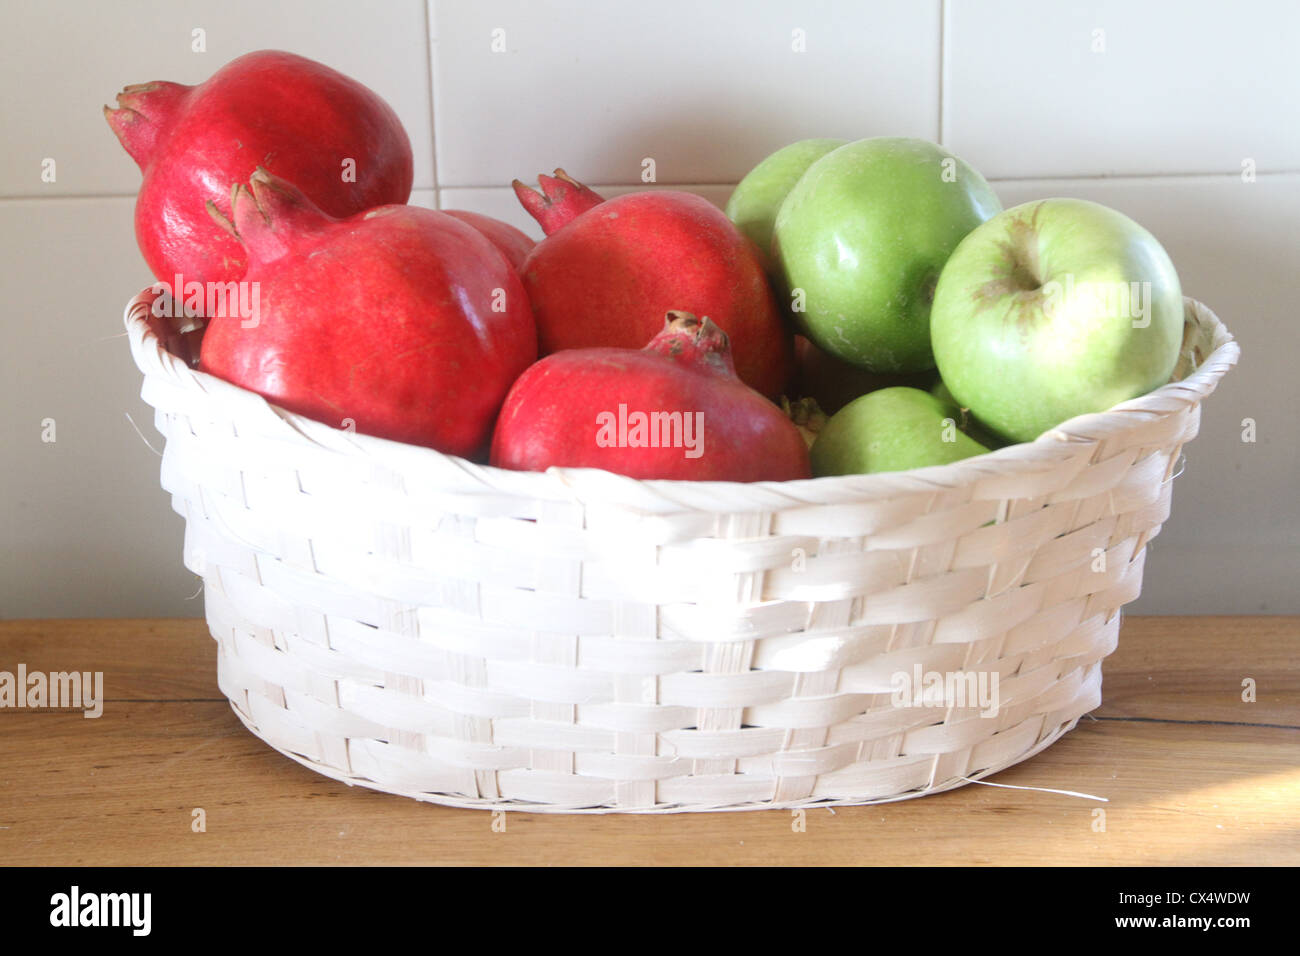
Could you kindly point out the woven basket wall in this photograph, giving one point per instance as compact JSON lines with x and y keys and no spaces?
{"x":579,"y":641}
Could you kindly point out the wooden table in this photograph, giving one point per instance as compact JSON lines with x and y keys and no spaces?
{"x":1193,"y":775}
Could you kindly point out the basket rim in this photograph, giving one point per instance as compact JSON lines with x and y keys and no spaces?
{"x":1071,"y":440}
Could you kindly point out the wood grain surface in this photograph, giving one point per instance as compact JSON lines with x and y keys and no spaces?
{"x":1193,"y":775}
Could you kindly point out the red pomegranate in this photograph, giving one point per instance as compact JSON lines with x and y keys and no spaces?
{"x":675,"y":409}
{"x":404,"y":320}
{"x":608,"y":270}
{"x":339,"y":142}
{"x":513,"y":243}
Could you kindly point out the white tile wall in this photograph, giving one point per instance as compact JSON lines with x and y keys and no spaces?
{"x":706,"y":89}
{"x":428,"y":198}
{"x":1122,"y":87}
{"x":87,"y":530}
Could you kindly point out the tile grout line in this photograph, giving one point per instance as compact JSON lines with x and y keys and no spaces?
{"x":943,"y":66}
{"x":433,"y":111}
{"x":1080,"y":177}
{"x":1097,"y":178}
{"x":437,"y":190}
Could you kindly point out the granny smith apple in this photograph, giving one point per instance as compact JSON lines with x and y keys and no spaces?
{"x":969,"y":424}
{"x":941,"y":392}
{"x":753,"y":205}
{"x":891,"y":430}
{"x":1052,"y":309}
{"x":861,"y":238}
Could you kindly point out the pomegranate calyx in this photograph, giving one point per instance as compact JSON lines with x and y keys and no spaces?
{"x":269,"y":215}
{"x":687,"y":338}
{"x":807,"y":417}
{"x":143,"y":111}
{"x":560,"y":200}
{"x":220,"y":218}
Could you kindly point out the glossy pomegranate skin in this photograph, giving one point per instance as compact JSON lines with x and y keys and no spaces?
{"x":300,"y":119}
{"x":607,"y":275}
{"x":514,"y":243}
{"x":400,"y":322}
{"x":553,"y":415}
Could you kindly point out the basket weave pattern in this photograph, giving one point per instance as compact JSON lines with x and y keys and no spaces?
{"x":579,"y":641}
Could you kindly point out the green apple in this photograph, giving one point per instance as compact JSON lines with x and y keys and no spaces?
{"x":941,"y":392}
{"x":753,"y":205}
{"x":968,"y":422}
{"x":1052,"y":309}
{"x":893,"y":429}
{"x":860,"y":241}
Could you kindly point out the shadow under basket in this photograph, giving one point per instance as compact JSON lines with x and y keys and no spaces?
{"x":577,"y":641}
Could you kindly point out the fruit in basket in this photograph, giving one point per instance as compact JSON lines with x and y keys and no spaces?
{"x":892,"y":429}
{"x":807,"y":416}
{"x":834,"y":382}
{"x":180,"y":334}
{"x":403,"y":320}
{"x":969,"y":424}
{"x":1052,"y":309}
{"x":753,"y":204}
{"x":513,"y":243}
{"x":608,"y":270}
{"x":674,"y":409}
{"x":863,"y":235}
{"x":338,"y":141}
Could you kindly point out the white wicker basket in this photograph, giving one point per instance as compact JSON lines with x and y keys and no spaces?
{"x":578,"y":641}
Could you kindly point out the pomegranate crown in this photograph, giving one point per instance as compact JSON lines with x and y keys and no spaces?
{"x":143,"y":111}
{"x":560,"y":200}
{"x":267,"y":214}
{"x":687,"y":338}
